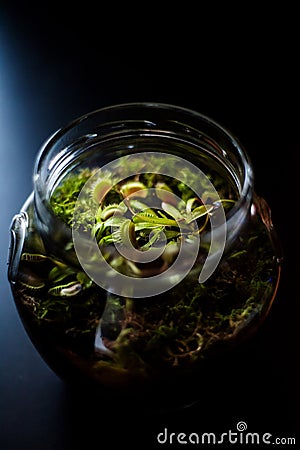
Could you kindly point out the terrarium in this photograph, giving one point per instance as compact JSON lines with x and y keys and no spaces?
{"x":143,"y":252}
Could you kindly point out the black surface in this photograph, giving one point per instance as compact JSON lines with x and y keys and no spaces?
{"x":242,"y":72}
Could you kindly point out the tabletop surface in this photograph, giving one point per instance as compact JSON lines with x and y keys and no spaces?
{"x":53,"y":69}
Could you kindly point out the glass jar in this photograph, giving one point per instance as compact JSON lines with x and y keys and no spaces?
{"x":143,"y":252}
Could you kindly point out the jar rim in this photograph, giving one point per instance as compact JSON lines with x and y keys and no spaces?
{"x":175,"y":109}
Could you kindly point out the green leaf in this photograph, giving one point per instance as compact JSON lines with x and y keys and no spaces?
{"x":57,"y":274}
{"x":137,"y":207}
{"x":171,"y":210}
{"x":154,"y":238}
{"x":199,"y":212}
{"x":189,"y":204}
{"x":141,"y":217}
{"x":84,"y":280}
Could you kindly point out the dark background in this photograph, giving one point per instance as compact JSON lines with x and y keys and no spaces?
{"x":239,"y":67}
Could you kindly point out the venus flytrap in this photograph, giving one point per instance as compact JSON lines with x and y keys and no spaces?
{"x":173,"y":216}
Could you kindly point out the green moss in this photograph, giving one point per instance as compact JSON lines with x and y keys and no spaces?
{"x":176,"y":328}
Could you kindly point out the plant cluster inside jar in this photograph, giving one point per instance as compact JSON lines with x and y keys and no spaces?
{"x":143,"y":335}
{"x":144,"y":212}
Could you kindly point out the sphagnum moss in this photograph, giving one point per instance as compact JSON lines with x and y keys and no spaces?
{"x":176,"y":328}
